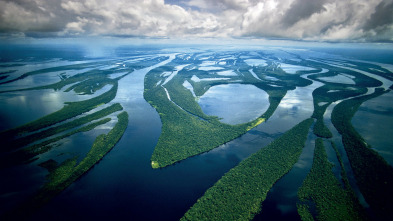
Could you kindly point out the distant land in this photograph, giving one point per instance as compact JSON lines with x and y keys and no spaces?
{"x":279,"y":130}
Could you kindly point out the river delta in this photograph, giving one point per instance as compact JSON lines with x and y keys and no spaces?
{"x":154,"y":133}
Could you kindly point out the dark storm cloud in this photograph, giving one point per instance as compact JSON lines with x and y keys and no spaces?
{"x":302,"y":9}
{"x":330,"y":20}
{"x":382,"y":16}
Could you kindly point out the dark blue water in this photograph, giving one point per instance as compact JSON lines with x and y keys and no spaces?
{"x":374,"y":121}
{"x":123,"y":185}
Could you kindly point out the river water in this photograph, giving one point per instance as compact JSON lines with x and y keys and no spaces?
{"x":123,"y":186}
{"x":374,"y":120}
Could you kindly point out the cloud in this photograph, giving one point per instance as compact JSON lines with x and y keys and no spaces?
{"x":218,"y":5}
{"x":321,"y":20}
{"x":300,"y":10}
{"x":151,"y":18}
{"x":383,"y":15}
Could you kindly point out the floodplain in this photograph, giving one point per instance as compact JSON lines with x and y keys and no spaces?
{"x":208,"y":133}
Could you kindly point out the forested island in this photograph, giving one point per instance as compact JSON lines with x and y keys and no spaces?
{"x":196,"y":134}
{"x":240,"y":192}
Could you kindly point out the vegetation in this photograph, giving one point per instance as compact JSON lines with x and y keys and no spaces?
{"x":29,"y":153}
{"x":344,"y":176}
{"x":238,"y":195}
{"x":322,"y":189}
{"x":373,"y":68}
{"x":66,"y":126}
{"x":66,"y":173}
{"x":89,"y":86}
{"x":323,"y":97}
{"x":72,"y":109}
{"x":184,"y":134}
{"x":53,"y":69}
{"x":85,"y":83}
{"x":42,"y":133}
{"x":186,"y":130}
{"x":304,"y":212}
{"x":373,"y":174}
{"x":184,"y":98}
{"x":361,"y":80}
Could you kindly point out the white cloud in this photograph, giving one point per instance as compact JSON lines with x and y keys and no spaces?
{"x":298,"y":19}
{"x":76,"y":7}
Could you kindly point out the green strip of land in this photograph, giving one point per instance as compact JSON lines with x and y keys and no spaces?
{"x":29,"y":153}
{"x":323,"y":97}
{"x":186,"y":133}
{"x":322,"y":189}
{"x":72,"y":109}
{"x":239,"y":194}
{"x":54,"y":69}
{"x":186,"y":130}
{"x":373,"y":174}
{"x":66,"y":126}
{"x":344,"y":176}
{"x":60,"y":177}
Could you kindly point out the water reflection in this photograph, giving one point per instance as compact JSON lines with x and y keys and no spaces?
{"x":374,"y":120}
{"x":292,"y":69}
{"x":24,"y":106}
{"x":340,"y":79}
{"x":297,"y":101}
{"x":234,"y":103}
{"x":281,"y":199}
{"x":337,"y":139}
{"x":123,"y":185}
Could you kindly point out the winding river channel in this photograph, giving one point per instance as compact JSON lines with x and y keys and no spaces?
{"x":123,"y":185}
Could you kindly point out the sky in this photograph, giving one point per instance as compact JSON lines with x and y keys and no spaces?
{"x":306,"y":20}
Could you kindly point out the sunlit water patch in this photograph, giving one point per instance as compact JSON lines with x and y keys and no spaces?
{"x":187,"y":85}
{"x":234,"y":103}
{"x":255,"y":62}
{"x":196,"y":79}
{"x":254,"y":75}
{"x":292,"y":69}
{"x":341,"y":79}
{"x":324,"y":70}
{"x":227,"y":73}
{"x":297,"y":104}
{"x":173,"y":73}
{"x":385,"y":82}
{"x":271,"y":78}
{"x":210,"y":68}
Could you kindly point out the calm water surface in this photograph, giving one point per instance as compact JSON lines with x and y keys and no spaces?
{"x":123,"y":186}
{"x":374,"y":120}
{"x":234,"y":103}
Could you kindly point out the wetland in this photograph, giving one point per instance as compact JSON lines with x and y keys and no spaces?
{"x":195,"y":134}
